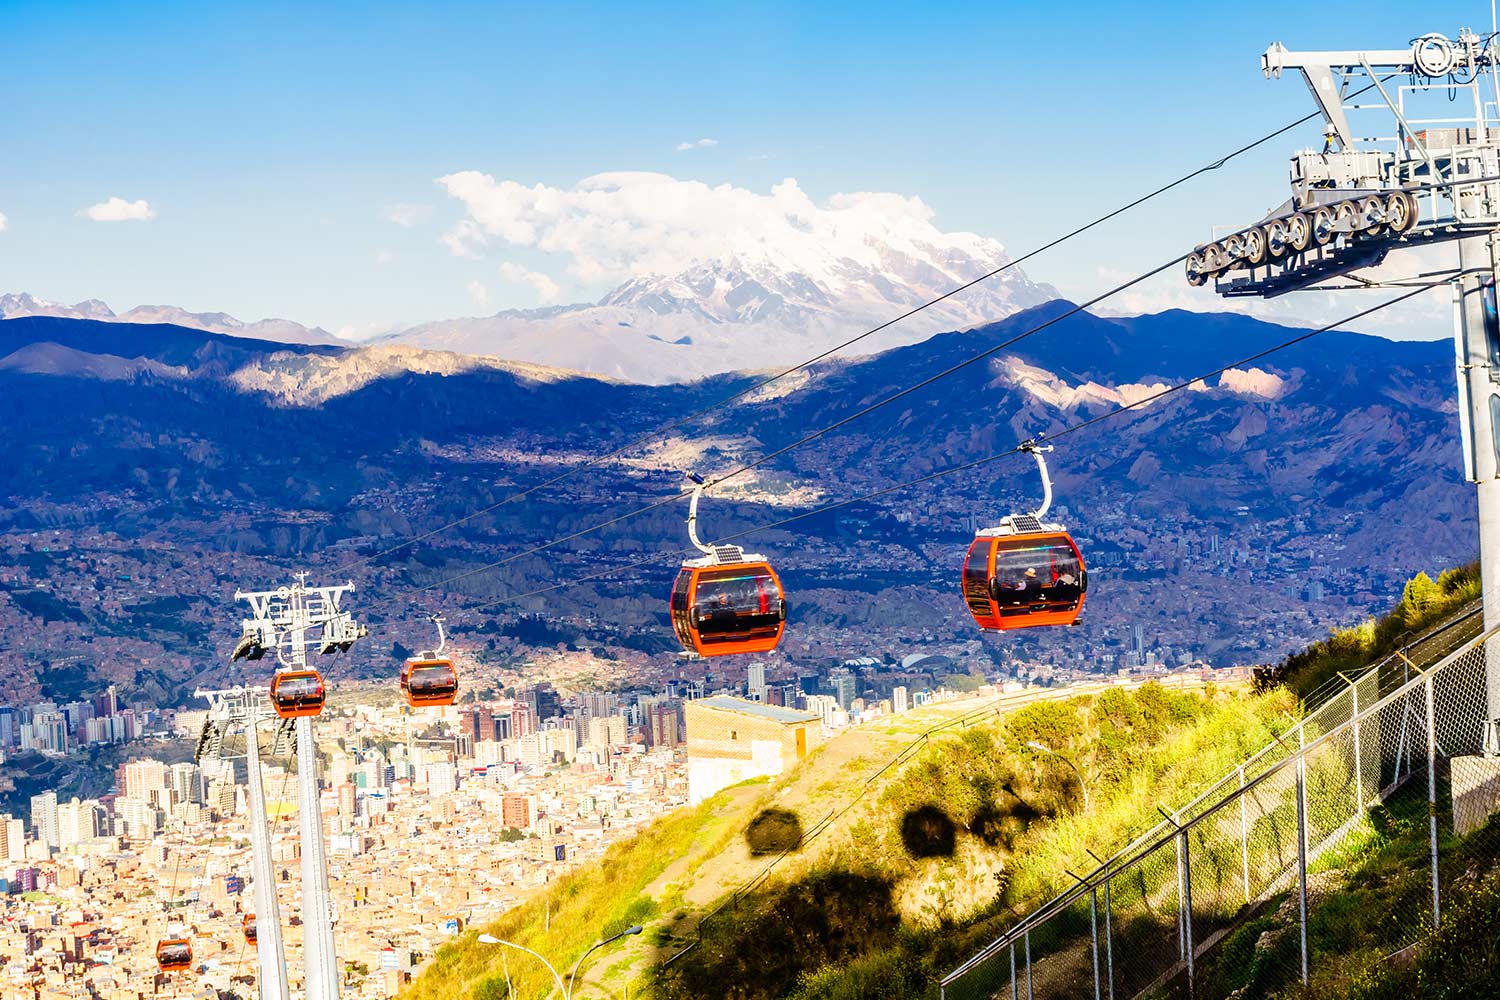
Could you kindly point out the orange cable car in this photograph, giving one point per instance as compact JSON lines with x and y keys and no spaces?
{"x":174,"y":954}
{"x":727,"y":601}
{"x":427,"y":678}
{"x":296,"y":694}
{"x":250,"y":937}
{"x":1025,"y":573}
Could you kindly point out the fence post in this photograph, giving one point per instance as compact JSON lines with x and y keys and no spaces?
{"x":1028,"y":966}
{"x":1432,"y":794}
{"x":1359,"y":784}
{"x":1187,"y":907}
{"x":1302,"y":858}
{"x":1177,"y":843}
{"x":1094,"y":927}
{"x":1013,"y":994}
{"x":1109,"y":944}
{"x":1244,"y":836}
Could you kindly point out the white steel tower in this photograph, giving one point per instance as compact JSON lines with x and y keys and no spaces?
{"x":293,"y":620}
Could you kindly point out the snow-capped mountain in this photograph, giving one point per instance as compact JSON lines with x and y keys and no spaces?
{"x":16,"y":305}
{"x":750,"y":312}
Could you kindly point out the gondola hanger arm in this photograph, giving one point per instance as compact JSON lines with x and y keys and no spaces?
{"x":699,"y":485}
{"x":442,"y":638}
{"x":1035,"y":449}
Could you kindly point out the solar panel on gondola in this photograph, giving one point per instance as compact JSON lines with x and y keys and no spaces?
{"x":727,"y":601}
{"x":1025,"y":572}
{"x":428,"y":678}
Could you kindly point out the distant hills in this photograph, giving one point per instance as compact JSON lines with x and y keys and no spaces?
{"x":1336,"y":461}
{"x":19,"y":305}
{"x":752,"y":310}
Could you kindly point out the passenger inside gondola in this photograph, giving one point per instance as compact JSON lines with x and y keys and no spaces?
{"x":1035,"y":577}
{"x":735,"y":604}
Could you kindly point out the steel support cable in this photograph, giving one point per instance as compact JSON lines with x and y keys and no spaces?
{"x":757,"y":386}
{"x":821,"y":432}
{"x":964,"y":467}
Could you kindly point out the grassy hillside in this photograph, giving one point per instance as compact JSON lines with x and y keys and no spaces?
{"x":1424,"y":604}
{"x":967,"y":830}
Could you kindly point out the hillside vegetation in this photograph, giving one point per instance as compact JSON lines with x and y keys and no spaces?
{"x":901,"y":871}
{"x":1424,"y":604}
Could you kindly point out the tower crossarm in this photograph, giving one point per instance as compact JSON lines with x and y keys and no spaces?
{"x":1328,"y":74}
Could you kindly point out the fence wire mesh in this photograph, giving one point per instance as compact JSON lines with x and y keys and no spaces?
{"x":1240,"y":886}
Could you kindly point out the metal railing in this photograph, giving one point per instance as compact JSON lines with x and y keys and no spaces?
{"x":1149,"y":919}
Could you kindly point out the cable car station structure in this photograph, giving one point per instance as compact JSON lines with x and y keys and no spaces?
{"x":1362,"y":201}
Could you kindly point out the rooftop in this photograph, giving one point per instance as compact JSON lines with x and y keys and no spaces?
{"x":776,"y":714}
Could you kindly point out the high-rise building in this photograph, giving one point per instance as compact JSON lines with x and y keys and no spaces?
{"x":44,"y":818}
{"x":516,"y":811}
{"x":756,"y":684}
{"x":441,"y":779}
{"x":186,"y":782}
{"x":845,"y":687}
{"x":140,"y":819}
{"x":898,"y":699}
{"x":78,"y":821}
{"x":142,"y":777}
{"x":523,"y":720}
{"x":664,"y":723}
{"x":346,"y":805}
{"x":15,"y":838}
{"x":106,"y":704}
{"x":533,"y":751}
{"x":543,"y":701}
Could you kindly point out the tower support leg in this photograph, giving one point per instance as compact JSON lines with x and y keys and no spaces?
{"x":270,"y":954}
{"x":317,"y":911}
{"x":1479,"y":392}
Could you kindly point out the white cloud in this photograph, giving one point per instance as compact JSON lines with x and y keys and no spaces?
{"x":120,"y":210}
{"x":408,"y":215}
{"x":683,"y":147}
{"x":384,"y":257}
{"x":2,"y":222}
{"x":617,"y":225}
{"x":546,"y":289}
{"x":479,"y":293}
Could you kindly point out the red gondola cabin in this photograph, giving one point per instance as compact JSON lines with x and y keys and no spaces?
{"x":250,"y":937}
{"x":174,"y":955}
{"x":731,"y":606}
{"x":429,"y":682}
{"x":1024,"y":578}
{"x":298,"y":693}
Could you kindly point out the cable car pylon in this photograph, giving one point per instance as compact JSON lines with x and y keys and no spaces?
{"x":1362,"y":200}
{"x":247,"y":707}
{"x":294,"y":621}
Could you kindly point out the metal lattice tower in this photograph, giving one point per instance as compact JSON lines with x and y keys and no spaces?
{"x":294,"y":621}
{"x":1363,"y":199}
{"x":246,"y":708}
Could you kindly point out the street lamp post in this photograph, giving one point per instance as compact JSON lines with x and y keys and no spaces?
{"x":1082,"y":783}
{"x":565,"y":989}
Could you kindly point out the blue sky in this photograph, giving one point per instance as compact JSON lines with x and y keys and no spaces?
{"x":274,"y":143}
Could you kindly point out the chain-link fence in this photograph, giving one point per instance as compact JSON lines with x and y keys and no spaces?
{"x":1245,"y":882}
